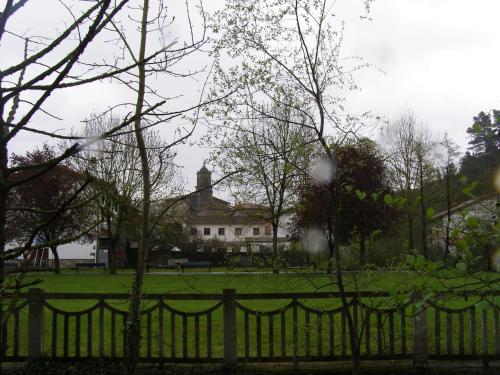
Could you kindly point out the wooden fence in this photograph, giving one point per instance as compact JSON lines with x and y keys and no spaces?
{"x":267,"y":327}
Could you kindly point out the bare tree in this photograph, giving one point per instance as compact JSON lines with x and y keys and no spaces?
{"x":293,"y":46}
{"x":115,"y":167}
{"x":448,"y":169}
{"x":423,"y":153}
{"x":52,"y":64}
{"x":272,"y":155}
{"x":408,"y":147}
{"x":45,"y":66}
{"x":399,"y":141}
{"x":155,"y":54}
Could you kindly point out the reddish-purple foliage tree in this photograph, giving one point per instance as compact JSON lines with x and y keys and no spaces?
{"x":360,"y":184}
{"x":48,"y":206}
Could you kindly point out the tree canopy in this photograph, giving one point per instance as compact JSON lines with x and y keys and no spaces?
{"x":481,"y":162}
{"x":47,"y":208}
{"x":361,"y":181}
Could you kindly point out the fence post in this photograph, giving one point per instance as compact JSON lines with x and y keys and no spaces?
{"x":420,"y":354}
{"x":229,"y":301}
{"x":35,"y":323}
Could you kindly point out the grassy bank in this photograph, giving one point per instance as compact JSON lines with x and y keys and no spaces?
{"x":191,"y":282}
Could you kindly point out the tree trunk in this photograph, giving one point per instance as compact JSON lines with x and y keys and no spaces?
{"x":489,"y":263}
{"x":114,"y":240}
{"x":275,"y":249}
{"x":411,"y":241}
{"x":409,"y":215}
{"x":134,"y":319}
{"x":423,"y":213}
{"x":3,"y":223}
{"x":333,"y":245}
{"x":448,"y":215}
{"x":329,"y":265}
{"x":57,"y":265}
{"x":362,"y":250}
{"x":112,"y":258}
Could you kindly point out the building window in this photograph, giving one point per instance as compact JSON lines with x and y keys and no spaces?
{"x":194,"y":231}
{"x":237,"y":231}
{"x":221,"y":231}
{"x":267,"y":230}
{"x":206,"y":231}
{"x":256,"y":231}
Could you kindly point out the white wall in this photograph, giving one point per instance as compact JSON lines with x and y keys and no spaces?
{"x":75,"y":250}
{"x":229,"y":232}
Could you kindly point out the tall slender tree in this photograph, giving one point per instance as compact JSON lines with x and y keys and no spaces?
{"x":271,"y":155}
{"x":409,"y":149}
{"x":293,"y":46}
{"x":41,"y":66}
{"x":154,"y":53}
{"x":114,"y":164}
{"x":449,"y":174}
{"x":425,"y":171}
{"x":400,"y":142}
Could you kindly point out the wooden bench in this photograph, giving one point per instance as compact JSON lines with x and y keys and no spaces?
{"x":198,"y":264}
{"x":88,"y":266}
{"x":193,"y":264}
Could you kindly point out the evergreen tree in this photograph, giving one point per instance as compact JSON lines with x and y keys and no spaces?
{"x":481,"y":162}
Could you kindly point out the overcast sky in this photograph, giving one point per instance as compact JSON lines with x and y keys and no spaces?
{"x":438,"y":58}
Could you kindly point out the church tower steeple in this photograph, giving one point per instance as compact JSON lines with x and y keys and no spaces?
{"x":204,"y":181}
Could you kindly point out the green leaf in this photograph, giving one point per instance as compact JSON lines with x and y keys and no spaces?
{"x":410,"y":259}
{"x":430,"y":213}
{"x":476,"y":127}
{"x":454,"y":233}
{"x":463,"y":179}
{"x":417,"y":307}
{"x":472,"y":222}
{"x":360,"y":194}
{"x":432,"y":266}
{"x":482,"y":305}
{"x":461,"y":266}
{"x":428,"y":296}
{"x":420,"y":261}
{"x":401,"y":202}
{"x":388,"y":199}
{"x":462,"y":245}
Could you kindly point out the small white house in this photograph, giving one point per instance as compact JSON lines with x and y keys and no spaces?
{"x":486,"y":210}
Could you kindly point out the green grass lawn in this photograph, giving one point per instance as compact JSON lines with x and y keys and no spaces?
{"x":100,"y":282}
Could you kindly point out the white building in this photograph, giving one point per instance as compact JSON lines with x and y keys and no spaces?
{"x":485,"y":211}
{"x":225,"y":227}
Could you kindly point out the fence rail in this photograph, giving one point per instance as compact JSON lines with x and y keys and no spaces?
{"x":264,"y":327}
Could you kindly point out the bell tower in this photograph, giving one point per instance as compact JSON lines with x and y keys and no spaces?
{"x":204,"y":181}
